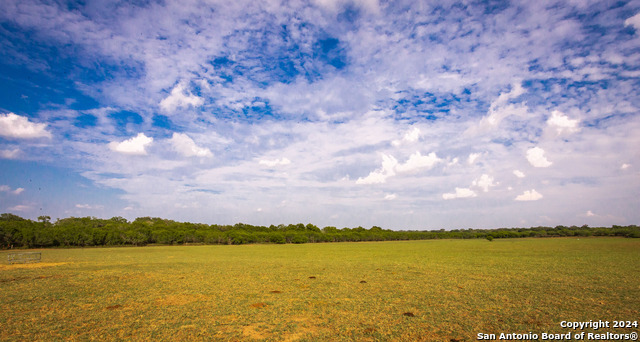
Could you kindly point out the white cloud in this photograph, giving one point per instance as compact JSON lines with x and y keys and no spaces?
{"x":460,"y":193}
{"x":499,"y":110}
{"x":380,"y":176}
{"x":529,"y":196}
{"x":10,"y":154}
{"x":134,"y":146}
{"x":19,"y":127}
{"x":411,"y":136}
{"x":625,"y":166}
{"x":472,"y":158}
{"x":88,"y":206}
{"x":504,"y":98}
{"x":6,"y":188}
{"x":184,"y":145}
{"x":484,"y":182}
{"x":536,"y":157}
{"x":274,"y":162}
{"x":518,"y":173}
{"x":590,"y":213}
{"x":497,"y":115}
{"x":390,"y":167}
{"x":370,"y":6}
{"x":180,"y":98}
{"x":390,"y":197}
{"x":633,"y":21}
{"x":417,"y":161}
{"x":20,"y":207}
{"x":562,"y":123}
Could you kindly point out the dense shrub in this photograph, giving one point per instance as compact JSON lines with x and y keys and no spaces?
{"x":17,"y":232}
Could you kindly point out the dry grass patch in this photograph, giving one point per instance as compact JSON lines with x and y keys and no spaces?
{"x":256,"y":331}
{"x":179,"y":299}
{"x":31,"y":265}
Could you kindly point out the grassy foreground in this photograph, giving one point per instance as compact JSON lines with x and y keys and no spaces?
{"x":434,"y":290}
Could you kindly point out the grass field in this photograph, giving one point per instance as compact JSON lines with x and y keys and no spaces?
{"x":437,"y":290}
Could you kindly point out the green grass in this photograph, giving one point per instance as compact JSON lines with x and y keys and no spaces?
{"x":455,"y":289}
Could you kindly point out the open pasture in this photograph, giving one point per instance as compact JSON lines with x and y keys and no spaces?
{"x":436,"y":290}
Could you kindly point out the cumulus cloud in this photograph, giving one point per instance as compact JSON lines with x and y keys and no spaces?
{"x":391,"y":167}
{"x":184,"y":145}
{"x":562,"y":123}
{"x":529,"y":195}
{"x":180,"y":98}
{"x":518,"y":173}
{"x":536,"y":157}
{"x":417,"y":162}
{"x":484,"y":182}
{"x":625,"y":166}
{"x":390,"y":197}
{"x":411,"y":136}
{"x":19,"y":127}
{"x":274,"y":162}
{"x":380,"y":175}
{"x":134,"y":146}
{"x":460,"y":193}
{"x":473,"y":157}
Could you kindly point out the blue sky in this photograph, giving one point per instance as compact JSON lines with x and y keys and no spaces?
{"x":403,"y":114}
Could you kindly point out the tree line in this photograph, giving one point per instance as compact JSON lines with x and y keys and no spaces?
{"x":17,"y":232}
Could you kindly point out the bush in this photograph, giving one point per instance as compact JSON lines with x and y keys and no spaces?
{"x":297,"y":238}
{"x":277,"y":238}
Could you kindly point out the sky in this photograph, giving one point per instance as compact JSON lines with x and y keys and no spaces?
{"x":402,"y":114}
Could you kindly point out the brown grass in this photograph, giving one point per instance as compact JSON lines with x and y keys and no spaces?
{"x":31,"y":265}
